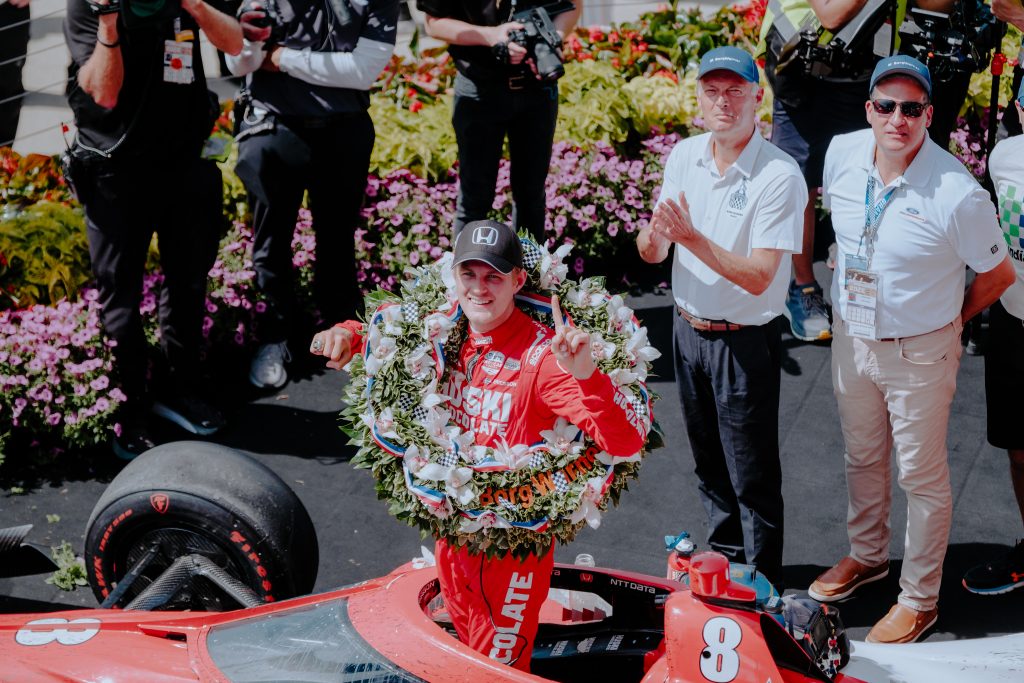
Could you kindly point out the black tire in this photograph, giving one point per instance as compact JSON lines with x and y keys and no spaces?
{"x":197,"y":497}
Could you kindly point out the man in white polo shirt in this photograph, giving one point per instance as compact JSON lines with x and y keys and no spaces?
{"x":907,"y":217}
{"x":1004,"y":362}
{"x":732,"y":204}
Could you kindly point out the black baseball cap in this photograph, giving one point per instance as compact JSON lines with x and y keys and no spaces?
{"x":494,"y":243}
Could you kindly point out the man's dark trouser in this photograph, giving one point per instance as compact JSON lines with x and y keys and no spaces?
{"x":484,"y":114}
{"x":330,"y":158}
{"x":13,"y":45}
{"x":124,"y":203}
{"x":729,"y":388}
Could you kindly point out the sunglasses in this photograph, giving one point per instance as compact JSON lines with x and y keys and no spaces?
{"x":911,"y":110}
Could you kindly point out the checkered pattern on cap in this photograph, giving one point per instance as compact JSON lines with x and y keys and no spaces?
{"x":449,"y":459}
{"x":406,"y":402}
{"x":561,"y":483}
{"x":537,"y":461}
{"x":419,"y":413}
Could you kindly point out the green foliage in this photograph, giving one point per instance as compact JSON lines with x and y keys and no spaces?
{"x":979,"y":95}
{"x":47,"y":254}
{"x":593,"y":106}
{"x":422,"y":141}
{"x":662,"y":104}
{"x":71,"y":570}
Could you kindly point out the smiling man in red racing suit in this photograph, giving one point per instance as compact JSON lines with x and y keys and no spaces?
{"x":512,"y":379}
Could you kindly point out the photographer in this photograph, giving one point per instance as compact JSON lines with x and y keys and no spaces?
{"x":305,"y":126}
{"x":499,"y":92}
{"x":14,"y":34}
{"x":810,"y":108}
{"x":143,"y":112}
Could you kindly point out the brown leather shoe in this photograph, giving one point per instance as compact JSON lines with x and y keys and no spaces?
{"x":902,"y":625}
{"x":847,"y":576}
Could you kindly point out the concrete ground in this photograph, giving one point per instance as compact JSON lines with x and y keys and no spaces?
{"x":294,"y":431}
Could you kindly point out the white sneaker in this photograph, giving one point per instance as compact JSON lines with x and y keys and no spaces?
{"x":267,"y":369}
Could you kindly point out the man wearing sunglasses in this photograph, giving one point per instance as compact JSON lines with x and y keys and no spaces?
{"x":907,"y":217}
{"x":1004,"y":371}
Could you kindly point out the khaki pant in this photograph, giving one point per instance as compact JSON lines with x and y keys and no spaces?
{"x":898,"y":392}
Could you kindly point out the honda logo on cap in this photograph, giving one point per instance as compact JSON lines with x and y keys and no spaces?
{"x":485,"y":235}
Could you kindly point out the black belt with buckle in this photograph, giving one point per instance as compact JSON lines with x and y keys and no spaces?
{"x":704,"y":325}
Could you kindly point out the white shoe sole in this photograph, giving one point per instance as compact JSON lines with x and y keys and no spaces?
{"x":264,"y":385}
{"x":842,"y":596}
{"x":160,"y":410}
{"x":824,"y":335}
{"x":994,"y":591}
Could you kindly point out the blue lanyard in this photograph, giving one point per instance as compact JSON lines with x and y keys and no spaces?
{"x":873,"y":216}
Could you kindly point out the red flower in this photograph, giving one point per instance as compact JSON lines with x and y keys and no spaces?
{"x":410,"y":93}
{"x":616,"y":63}
{"x":665,"y":73}
{"x":596,"y":34}
{"x":415,"y":106}
{"x":613,"y":37}
{"x":641,"y":47}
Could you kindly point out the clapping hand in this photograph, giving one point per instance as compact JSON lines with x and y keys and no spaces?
{"x":672,"y":221}
{"x":571,"y":346}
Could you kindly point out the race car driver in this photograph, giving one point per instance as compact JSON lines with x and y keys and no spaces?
{"x":541,"y":374}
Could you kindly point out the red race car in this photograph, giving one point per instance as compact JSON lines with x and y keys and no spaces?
{"x":194,"y":526}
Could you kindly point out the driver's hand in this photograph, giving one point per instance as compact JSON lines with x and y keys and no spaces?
{"x":335,"y":344}
{"x":251,"y":32}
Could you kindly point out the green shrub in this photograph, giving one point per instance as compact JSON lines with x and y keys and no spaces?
{"x":47,"y":254}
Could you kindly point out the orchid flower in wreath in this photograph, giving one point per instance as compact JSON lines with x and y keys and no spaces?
{"x":590,"y":501}
{"x":552,"y":270}
{"x":563,"y":437}
{"x":487,"y":520}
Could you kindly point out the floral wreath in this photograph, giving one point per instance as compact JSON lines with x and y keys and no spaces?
{"x":510,"y":498}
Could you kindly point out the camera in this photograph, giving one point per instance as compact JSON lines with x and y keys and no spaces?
{"x":951,"y":44}
{"x":849,"y":51}
{"x":540,"y":38}
{"x":271,"y":17}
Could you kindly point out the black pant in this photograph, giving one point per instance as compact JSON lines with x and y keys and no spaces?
{"x":484,"y":114}
{"x":124,"y":203}
{"x":330,"y":158}
{"x":13,"y":45}
{"x":947,"y":98}
{"x":729,"y":387}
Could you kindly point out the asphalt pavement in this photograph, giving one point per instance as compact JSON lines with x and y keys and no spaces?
{"x":295,"y":432}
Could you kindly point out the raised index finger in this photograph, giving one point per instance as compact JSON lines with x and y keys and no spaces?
{"x":556,"y":313}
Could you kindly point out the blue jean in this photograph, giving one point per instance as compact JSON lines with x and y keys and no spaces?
{"x":484,"y":113}
{"x":728,"y":385}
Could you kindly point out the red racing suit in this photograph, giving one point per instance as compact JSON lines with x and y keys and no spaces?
{"x":507,"y":385}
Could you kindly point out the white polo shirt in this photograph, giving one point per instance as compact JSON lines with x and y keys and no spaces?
{"x":1006,"y":164}
{"x":939,"y":218}
{"x":757,"y":204}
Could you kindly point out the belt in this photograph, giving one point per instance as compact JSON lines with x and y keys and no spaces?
{"x":703,"y":325}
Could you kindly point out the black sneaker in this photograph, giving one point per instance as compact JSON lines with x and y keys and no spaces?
{"x":189,"y":412}
{"x":1001,"y":575}
{"x":133,"y":442}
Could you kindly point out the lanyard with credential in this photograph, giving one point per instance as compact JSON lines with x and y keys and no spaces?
{"x":872,"y":218}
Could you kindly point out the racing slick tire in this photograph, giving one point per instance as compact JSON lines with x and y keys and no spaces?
{"x":193,"y":497}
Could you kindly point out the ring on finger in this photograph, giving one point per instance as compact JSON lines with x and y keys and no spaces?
{"x":317,"y":345}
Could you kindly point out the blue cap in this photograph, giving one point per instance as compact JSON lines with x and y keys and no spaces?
{"x":1020,"y":94}
{"x":729,"y":58}
{"x":902,"y":65}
